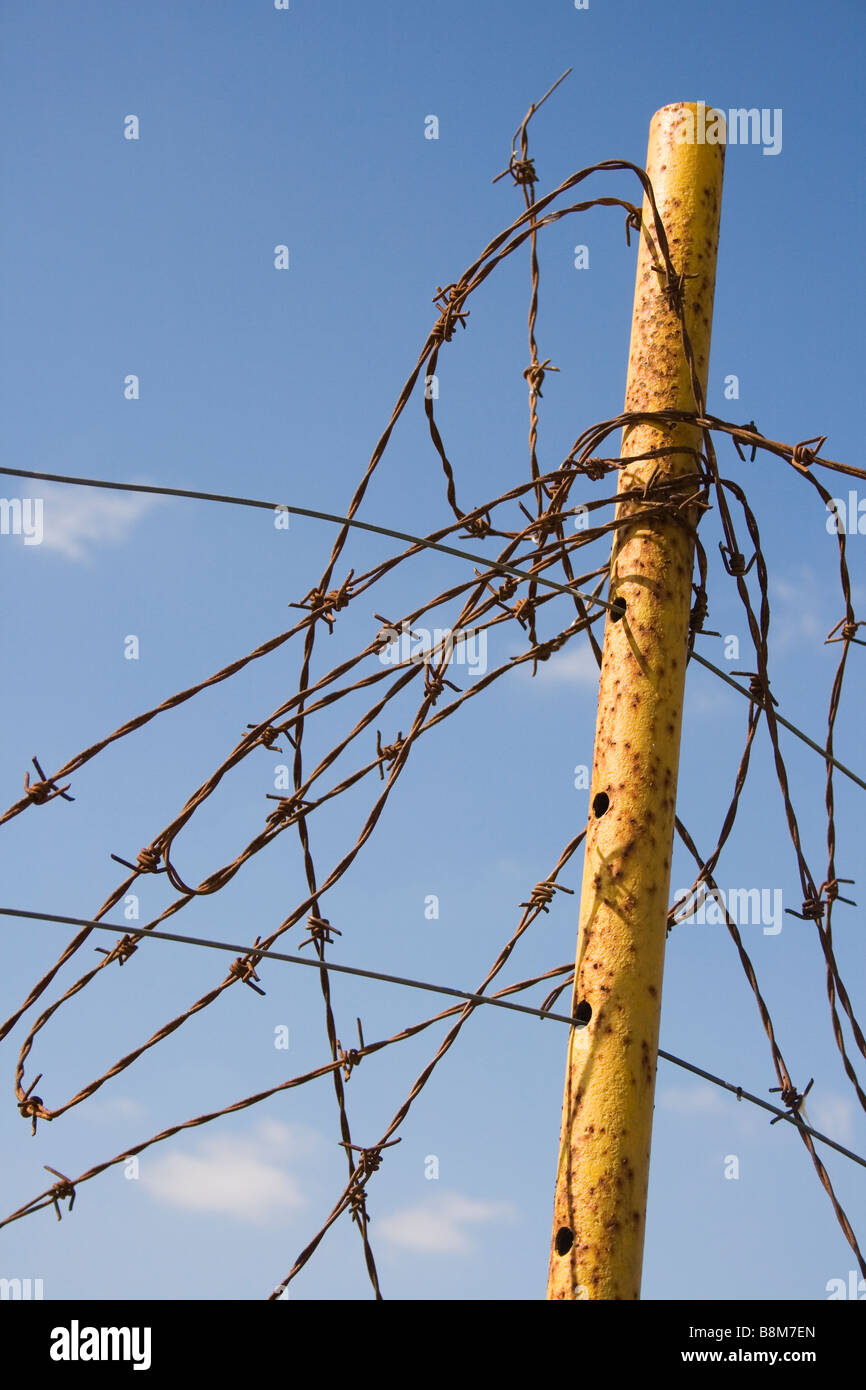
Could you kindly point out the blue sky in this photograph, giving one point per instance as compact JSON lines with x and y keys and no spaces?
{"x":155,"y":257}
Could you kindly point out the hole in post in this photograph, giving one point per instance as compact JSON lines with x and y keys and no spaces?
{"x":564,"y":1240}
{"x":600,"y":803}
{"x":617,"y":610}
{"x":583,"y":1012}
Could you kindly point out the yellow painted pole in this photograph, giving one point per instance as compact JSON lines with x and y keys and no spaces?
{"x":602,"y":1176}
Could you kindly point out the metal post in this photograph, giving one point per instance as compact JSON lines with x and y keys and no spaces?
{"x":601,"y":1187}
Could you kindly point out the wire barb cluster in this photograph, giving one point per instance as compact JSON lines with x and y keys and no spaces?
{"x":516,"y":584}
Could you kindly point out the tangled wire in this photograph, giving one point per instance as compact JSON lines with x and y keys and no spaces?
{"x":532,"y":568}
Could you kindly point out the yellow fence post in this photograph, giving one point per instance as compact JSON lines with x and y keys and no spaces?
{"x":601,"y":1185}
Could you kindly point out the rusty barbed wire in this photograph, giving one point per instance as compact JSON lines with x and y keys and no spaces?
{"x":538,"y":544}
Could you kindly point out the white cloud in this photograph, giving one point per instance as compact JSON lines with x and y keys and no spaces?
{"x":575,"y":665}
{"x":78,"y":519}
{"x":711,"y":699}
{"x":437,"y":1226}
{"x":692,"y":1100}
{"x":796,"y":618}
{"x":241,"y":1176}
{"x":831,"y":1112}
{"x":115,"y":1109}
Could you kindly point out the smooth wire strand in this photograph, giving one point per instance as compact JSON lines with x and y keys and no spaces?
{"x":780,"y":719}
{"x":406,"y":536}
{"x":145,"y":935}
{"x":261,"y":505}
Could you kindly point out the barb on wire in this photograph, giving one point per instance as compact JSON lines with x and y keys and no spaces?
{"x":520,"y":588}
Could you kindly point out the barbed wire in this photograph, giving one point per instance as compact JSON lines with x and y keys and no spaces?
{"x":532,"y":545}
{"x":131,"y":938}
{"x":421,"y":542}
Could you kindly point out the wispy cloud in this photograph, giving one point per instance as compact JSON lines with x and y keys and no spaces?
{"x":691,"y":1100}
{"x":438,"y":1225}
{"x":574,"y":666}
{"x":796,"y":617}
{"x":711,"y":699}
{"x":77,"y":520}
{"x":831,"y":1112}
{"x":246,"y":1177}
{"x":115,"y":1110}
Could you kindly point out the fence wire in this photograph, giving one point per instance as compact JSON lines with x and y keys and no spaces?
{"x":529,"y":564}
